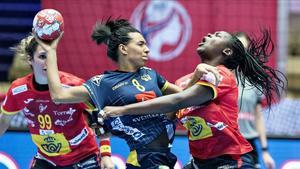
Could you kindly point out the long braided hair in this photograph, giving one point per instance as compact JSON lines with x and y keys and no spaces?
{"x":250,"y":65}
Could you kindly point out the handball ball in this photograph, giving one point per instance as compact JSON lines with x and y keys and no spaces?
{"x":48,"y":24}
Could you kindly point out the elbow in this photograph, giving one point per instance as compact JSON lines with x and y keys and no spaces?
{"x":56,"y":98}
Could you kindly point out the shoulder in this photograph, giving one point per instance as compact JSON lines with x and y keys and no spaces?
{"x":96,"y":80}
{"x":70,"y":79}
{"x":147,"y":70}
{"x":225,"y":71}
{"x":21,"y":85}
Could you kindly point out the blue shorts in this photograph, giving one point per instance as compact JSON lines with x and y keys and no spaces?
{"x":151,"y":159}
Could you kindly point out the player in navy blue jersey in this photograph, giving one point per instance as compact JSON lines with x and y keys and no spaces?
{"x":149,"y":137}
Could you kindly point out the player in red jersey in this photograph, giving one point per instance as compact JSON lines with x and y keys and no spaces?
{"x":60,"y":131}
{"x":214,"y":137}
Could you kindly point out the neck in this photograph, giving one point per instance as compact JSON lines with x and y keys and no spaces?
{"x":213,"y":62}
{"x":125,"y":66}
{"x":38,"y":86}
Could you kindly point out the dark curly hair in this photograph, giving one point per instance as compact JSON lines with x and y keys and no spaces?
{"x":113,"y":33}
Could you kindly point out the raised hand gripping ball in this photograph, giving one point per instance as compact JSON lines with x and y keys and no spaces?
{"x":48,"y":24}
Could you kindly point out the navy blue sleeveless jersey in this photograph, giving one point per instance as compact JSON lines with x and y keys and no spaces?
{"x":117,"y":88}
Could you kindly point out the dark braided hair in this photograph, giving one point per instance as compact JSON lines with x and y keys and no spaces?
{"x":113,"y":33}
{"x":250,"y":65}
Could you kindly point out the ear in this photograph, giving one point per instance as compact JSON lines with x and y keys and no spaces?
{"x":227,"y":51}
{"x":29,"y":60}
{"x":123,"y":49}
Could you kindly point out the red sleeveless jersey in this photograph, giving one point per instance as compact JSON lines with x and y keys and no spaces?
{"x":59,"y":130}
{"x":212,"y":128}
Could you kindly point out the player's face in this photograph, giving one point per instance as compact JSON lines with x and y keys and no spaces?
{"x":38,"y":64}
{"x":137,"y":50}
{"x":212,"y":45}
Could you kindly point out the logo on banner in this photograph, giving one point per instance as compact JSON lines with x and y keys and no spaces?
{"x":166,"y":26}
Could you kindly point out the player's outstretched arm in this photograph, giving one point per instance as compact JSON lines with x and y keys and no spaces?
{"x":195,"y":95}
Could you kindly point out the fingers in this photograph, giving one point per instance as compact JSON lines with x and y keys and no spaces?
{"x":55,"y":42}
{"x":101,"y":117}
{"x":39,"y":41}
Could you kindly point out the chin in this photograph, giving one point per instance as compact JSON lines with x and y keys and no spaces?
{"x":199,"y":50}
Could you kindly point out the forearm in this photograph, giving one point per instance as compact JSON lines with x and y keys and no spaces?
{"x":164,"y":104}
{"x":75,"y":94}
{"x":262,"y":133}
{"x":196,"y":95}
{"x":260,"y":127}
{"x":4,"y":123}
{"x":55,"y":87}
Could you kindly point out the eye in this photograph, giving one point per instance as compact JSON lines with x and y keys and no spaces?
{"x":141,"y":43}
{"x":42,"y":56}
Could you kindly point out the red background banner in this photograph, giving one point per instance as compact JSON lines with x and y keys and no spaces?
{"x":78,"y":54}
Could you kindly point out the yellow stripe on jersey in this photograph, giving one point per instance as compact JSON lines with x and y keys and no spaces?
{"x":90,"y":107}
{"x":9,"y":113}
{"x":132,"y":159}
{"x":166,"y":85}
{"x":209,"y":85}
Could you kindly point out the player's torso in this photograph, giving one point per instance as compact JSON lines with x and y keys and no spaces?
{"x":56,"y":129}
{"x":215,"y":121}
{"x":122,"y":88}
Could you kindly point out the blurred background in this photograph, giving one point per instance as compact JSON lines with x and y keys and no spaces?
{"x":173,"y":30}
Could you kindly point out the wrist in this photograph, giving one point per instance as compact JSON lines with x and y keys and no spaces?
{"x":105,"y":149}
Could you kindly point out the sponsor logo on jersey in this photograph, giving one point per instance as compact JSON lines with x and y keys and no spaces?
{"x":219,"y":125}
{"x":134,"y":132}
{"x":27,"y":112}
{"x":51,"y":146}
{"x":97,"y":79}
{"x":146,"y":77}
{"x":140,"y":97}
{"x":79,"y":138}
{"x":19,"y":89}
{"x":42,"y":108}
{"x":28,"y":100}
{"x":46,"y":132}
{"x":197,"y":127}
{"x":69,"y":113}
{"x":119,"y":85}
{"x":147,"y":117}
{"x":166,"y":26}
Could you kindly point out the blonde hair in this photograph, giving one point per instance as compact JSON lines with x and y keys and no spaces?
{"x":22,"y":52}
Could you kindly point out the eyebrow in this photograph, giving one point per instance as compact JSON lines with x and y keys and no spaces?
{"x":143,"y":42}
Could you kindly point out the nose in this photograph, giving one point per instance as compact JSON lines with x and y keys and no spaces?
{"x":147,"y":50}
{"x":209,"y":35}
